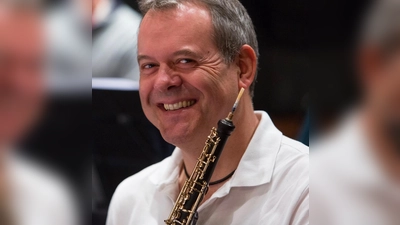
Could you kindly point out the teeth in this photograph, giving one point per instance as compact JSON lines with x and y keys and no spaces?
{"x":178,"y":105}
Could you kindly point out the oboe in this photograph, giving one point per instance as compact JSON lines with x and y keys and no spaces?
{"x":195,"y":188}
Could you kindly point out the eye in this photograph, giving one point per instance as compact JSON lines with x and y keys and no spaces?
{"x":185,"y":61}
{"x":148,"y":66}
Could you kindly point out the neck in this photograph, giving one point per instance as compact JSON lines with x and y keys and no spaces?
{"x":383,"y":146}
{"x":3,"y":152}
{"x":246,"y":123}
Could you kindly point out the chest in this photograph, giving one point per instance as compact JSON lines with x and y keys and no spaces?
{"x":241,"y":206}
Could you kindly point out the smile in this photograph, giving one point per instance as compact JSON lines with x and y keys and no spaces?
{"x":179,"y":105}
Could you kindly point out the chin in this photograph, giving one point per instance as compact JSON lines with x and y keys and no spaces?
{"x":176,"y":136}
{"x":9,"y":137}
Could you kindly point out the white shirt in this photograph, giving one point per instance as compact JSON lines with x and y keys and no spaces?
{"x":348,"y":185}
{"x":39,"y":197}
{"x":270,"y":186}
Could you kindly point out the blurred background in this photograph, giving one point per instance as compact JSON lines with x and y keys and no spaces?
{"x":62,"y":140}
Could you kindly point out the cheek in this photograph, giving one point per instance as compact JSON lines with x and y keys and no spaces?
{"x":217,"y":91}
{"x":394,"y":94}
{"x":214,"y":82}
{"x":392,"y":82}
{"x":387,"y":91}
{"x":145,"y":88}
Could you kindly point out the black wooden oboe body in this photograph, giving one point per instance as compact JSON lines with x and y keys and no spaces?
{"x":196,"y":187}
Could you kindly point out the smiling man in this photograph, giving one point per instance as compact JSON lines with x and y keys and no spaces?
{"x":194,"y":57}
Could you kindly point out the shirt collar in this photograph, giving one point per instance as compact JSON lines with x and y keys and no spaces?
{"x":258,"y":162}
{"x":168,"y":171}
{"x":255,"y":167}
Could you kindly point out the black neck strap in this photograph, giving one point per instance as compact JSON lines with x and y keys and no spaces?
{"x":211,"y":183}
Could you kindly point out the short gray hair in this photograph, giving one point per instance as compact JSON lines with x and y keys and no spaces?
{"x":381,"y":26}
{"x":232,"y":25}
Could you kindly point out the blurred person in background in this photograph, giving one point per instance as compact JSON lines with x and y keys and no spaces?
{"x":355,"y":169}
{"x":114,"y":38}
{"x":69,"y":47}
{"x":29,"y":193}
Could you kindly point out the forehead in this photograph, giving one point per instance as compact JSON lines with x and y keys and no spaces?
{"x":176,"y":27}
{"x":20,"y":31}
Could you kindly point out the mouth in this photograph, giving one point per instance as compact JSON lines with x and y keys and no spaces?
{"x":177,"y":105}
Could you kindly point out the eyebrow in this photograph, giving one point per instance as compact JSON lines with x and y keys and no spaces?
{"x":141,"y":57}
{"x":185,"y":52}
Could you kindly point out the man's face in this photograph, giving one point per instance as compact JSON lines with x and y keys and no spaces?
{"x":185,"y":85}
{"x":393,"y":85}
{"x":21,"y":87}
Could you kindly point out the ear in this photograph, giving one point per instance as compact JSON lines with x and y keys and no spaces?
{"x":247,"y":66}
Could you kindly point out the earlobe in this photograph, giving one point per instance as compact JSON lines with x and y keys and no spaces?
{"x":247,"y":63}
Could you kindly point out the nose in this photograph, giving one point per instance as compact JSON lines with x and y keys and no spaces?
{"x":167,"y":79}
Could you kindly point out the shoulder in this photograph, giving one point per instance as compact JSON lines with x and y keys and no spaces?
{"x":289,"y":158}
{"x":293,"y":153}
{"x":38,"y":188}
{"x":292,"y":165}
{"x":131,"y":190}
{"x":290,"y":182}
{"x":38,"y":178}
{"x":131,"y":195}
{"x":138,"y":181}
{"x":292,"y":145}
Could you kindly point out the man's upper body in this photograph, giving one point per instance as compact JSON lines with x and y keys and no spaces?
{"x":194,"y":57}
{"x":270,"y":186}
{"x":349,"y":185}
{"x":114,"y":51}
